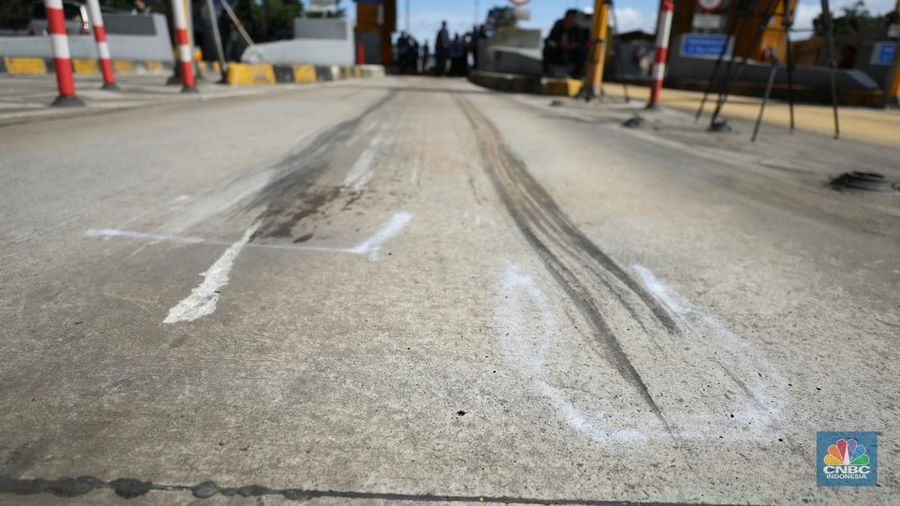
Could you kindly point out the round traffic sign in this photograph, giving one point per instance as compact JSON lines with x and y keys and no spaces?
{"x":519,"y":3}
{"x":709,"y":5}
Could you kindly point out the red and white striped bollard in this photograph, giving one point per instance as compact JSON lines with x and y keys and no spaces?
{"x":106,"y":66}
{"x":185,"y":53}
{"x":663,"y":31}
{"x":62,"y":59}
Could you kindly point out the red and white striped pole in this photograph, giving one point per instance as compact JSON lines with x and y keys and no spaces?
{"x":62,"y":60}
{"x":185,"y":53}
{"x":663,"y":31}
{"x":106,"y":66}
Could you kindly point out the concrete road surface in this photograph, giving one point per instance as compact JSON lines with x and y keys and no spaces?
{"x":411,"y":290}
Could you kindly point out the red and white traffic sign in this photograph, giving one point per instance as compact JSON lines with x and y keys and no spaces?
{"x":519,"y":3}
{"x":710,"y":5}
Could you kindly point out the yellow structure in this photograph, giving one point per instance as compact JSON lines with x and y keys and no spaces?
{"x":892,"y":90}
{"x":25,"y":66}
{"x":379,"y":19}
{"x":599,"y":45}
{"x":750,"y":44}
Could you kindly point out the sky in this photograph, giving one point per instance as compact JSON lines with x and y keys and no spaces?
{"x":426,"y":15}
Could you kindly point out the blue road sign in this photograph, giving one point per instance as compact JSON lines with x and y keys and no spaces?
{"x":884,"y":53}
{"x":702,"y":45}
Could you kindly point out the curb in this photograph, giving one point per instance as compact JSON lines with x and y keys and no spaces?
{"x":249,"y":74}
{"x":517,"y":83}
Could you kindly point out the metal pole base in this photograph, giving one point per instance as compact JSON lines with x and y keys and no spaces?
{"x":635,"y":122}
{"x":189,"y":89}
{"x":652,"y":106}
{"x":62,"y":101}
{"x":110,"y":87}
{"x":720,"y":126}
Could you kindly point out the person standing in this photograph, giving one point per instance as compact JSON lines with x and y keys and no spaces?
{"x":425,"y":55}
{"x":402,"y":52}
{"x":566,"y":45}
{"x":457,"y":57}
{"x":441,"y":48}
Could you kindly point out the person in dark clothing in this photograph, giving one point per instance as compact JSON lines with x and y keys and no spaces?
{"x":425,"y":55}
{"x":567,"y":45}
{"x":442,"y":48}
{"x":458,"y":64}
{"x":403,"y":47}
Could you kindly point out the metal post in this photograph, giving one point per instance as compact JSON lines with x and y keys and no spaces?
{"x":217,"y":37}
{"x":62,"y":59}
{"x":737,"y":31}
{"x":237,"y":24}
{"x":104,"y":60}
{"x":788,"y":21}
{"x":762,"y":107}
{"x":832,"y":64}
{"x":663,"y":31}
{"x":729,"y":78}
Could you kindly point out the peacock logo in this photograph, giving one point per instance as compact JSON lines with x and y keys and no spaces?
{"x":846,"y":452}
{"x":847,"y":459}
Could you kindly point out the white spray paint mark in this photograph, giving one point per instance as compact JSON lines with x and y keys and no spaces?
{"x":363,"y":169}
{"x":527,"y":353}
{"x":203,"y":299}
{"x":373,"y":244}
{"x":519,"y":347}
{"x":110,"y":233}
{"x":368,"y":247}
{"x":733,"y":353}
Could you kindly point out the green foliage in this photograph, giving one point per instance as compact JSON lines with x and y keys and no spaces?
{"x":856,"y":22}
{"x":14,"y":13}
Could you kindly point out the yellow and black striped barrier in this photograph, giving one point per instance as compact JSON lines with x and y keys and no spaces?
{"x":240,"y":74}
{"x":247,"y":74}
{"x":27,"y":66}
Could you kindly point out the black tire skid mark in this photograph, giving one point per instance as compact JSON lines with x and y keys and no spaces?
{"x":536,"y":214}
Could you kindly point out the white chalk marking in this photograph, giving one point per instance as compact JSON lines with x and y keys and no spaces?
{"x":370,"y":246}
{"x":203,"y":299}
{"x":528,"y":352}
{"x":732,"y":352}
{"x":362,"y":170}
{"x":522,"y":351}
{"x":373,"y":244}
{"x":110,"y":233}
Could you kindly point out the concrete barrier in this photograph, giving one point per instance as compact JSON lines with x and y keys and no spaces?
{"x":122,"y":46}
{"x":316,"y":41}
{"x":518,"y":83}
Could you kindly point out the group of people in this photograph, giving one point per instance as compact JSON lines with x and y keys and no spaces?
{"x":451,"y":54}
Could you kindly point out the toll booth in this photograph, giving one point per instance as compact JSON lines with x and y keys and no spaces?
{"x":376,"y":21}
